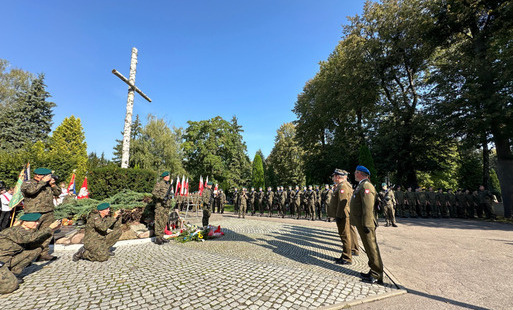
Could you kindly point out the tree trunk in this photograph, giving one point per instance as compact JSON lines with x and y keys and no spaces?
{"x":486,"y":162}
{"x":129,"y":110}
{"x":504,"y":168}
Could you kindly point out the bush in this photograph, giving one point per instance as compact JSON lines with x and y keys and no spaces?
{"x":108,"y":181}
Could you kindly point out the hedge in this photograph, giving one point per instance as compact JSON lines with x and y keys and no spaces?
{"x":108,"y":181}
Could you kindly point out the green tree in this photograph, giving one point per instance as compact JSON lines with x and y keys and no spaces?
{"x":135,"y":135}
{"x":12,"y":82}
{"x":215,"y":148}
{"x":365,"y":159}
{"x":286,"y":158}
{"x":29,"y":118}
{"x":67,"y":151}
{"x":257,"y":172}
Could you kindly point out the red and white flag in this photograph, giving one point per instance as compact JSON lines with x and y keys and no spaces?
{"x":215,"y":189}
{"x":84,"y":192}
{"x":177,"y":191}
{"x":71,"y":186}
{"x":200,"y":188}
{"x":182,"y":189}
{"x":186,"y":191}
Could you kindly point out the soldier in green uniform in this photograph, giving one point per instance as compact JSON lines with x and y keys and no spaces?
{"x":461,"y":204}
{"x":339,"y":209}
{"x":207,"y":198}
{"x":161,"y":193}
{"x":431,"y":203}
{"x":219,"y":201}
{"x":39,"y":194}
{"x":283,"y":201}
{"x":251,"y":201}
{"x":243,"y":199}
{"x":19,"y":246}
{"x":470,"y":204}
{"x":269,"y":198}
{"x":260,"y":201}
{"x":102,"y":231}
{"x":235,"y":199}
{"x":277,"y":200}
{"x":485,"y":199}
{"x":410,"y":202}
{"x":325,"y":200}
{"x":452,"y":203}
{"x":422,"y":202}
{"x":363,"y":216}
{"x":441,"y":204}
{"x":387,"y":201}
{"x":297,"y":202}
{"x":399,"y":198}
{"x":304,"y":201}
{"x":317,"y":202}
{"x":311,"y":200}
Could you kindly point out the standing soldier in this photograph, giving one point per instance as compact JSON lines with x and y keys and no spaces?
{"x":411,"y":202}
{"x":297,"y":202}
{"x":283,"y":200}
{"x":222,"y":201}
{"x":290,"y":194}
{"x":485,"y":203}
{"x":269,"y":197}
{"x":311,"y":200}
{"x":441,"y":203}
{"x":318,"y":202}
{"x":277,"y":200}
{"x":461,"y":203}
{"x":304,"y":201}
{"x":292,"y":201}
{"x":260,"y":201}
{"x":206,"y":201}
{"x":363,"y":216}
{"x":235,"y":200}
{"x":39,"y":194}
{"x":19,"y":246}
{"x":325,"y":200}
{"x":243,"y":198}
{"x":431,"y":202}
{"x":161,"y":193}
{"x":470,"y":204}
{"x":422,"y":202}
{"x":339,"y":209}
{"x":387,"y":198}
{"x":251,"y":201}
{"x":451,"y":203}
{"x":399,"y":198}
{"x":101,"y":233}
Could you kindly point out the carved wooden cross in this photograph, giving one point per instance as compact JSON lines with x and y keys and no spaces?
{"x":129,"y":106}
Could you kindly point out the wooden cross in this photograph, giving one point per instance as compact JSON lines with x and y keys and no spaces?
{"x":129,"y":106}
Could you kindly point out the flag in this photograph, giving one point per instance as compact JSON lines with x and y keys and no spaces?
{"x":187,"y":187}
{"x":183,"y":186}
{"x":200,"y":187}
{"x":17,"y":196}
{"x":206,"y":181}
{"x":215,"y":189}
{"x":71,"y":186}
{"x":177,"y":191}
{"x":83,"y":193}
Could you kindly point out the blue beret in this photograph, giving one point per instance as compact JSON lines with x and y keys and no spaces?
{"x":164,"y":174}
{"x":103,"y":206}
{"x":30,"y":217}
{"x":363,"y":169}
{"x":42,"y":171}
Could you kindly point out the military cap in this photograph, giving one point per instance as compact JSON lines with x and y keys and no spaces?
{"x":103,"y":206}
{"x":30,"y":217}
{"x":383,"y":184}
{"x":363,"y":169}
{"x":164,"y":174}
{"x":42,"y":171}
{"x":210,"y":183}
{"x":340,"y":172}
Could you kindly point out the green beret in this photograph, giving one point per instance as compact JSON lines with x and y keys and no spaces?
{"x":30,"y":217}
{"x":164,"y":174}
{"x":103,"y":206}
{"x":210,"y":183}
{"x":42,"y":171}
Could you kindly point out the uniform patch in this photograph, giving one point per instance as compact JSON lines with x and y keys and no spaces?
{"x":367,"y":191}
{"x":341,"y":191}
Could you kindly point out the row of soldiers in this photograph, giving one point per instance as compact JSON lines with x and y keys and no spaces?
{"x":310,"y":202}
{"x":436,"y":204}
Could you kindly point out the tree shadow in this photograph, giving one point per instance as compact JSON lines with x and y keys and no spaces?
{"x":446,"y":300}
{"x":453,"y":223}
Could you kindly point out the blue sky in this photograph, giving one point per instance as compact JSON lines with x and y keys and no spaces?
{"x":197,"y":59}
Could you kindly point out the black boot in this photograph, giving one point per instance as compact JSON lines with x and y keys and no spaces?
{"x":80,"y":253}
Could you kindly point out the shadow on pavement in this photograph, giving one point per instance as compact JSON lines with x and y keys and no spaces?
{"x":446,"y":300}
{"x":453,"y":223}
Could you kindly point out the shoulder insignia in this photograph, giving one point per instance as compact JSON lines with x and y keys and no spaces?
{"x":367,"y":191}
{"x":342,"y":191}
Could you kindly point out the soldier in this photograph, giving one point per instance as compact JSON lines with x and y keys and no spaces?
{"x":219,"y":200}
{"x":470,"y":204}
{"x":19,"y":246}
{"x":363,"y":216}
{"x":432,"y":210}
{"x":325,"y":200}
{"x":283,"y":200}
{"x":421,"y":202}
{"x":235,"y":199}
{"x":411,"y":202}
{"x":441,"y":203}
{"x":399,"y":198}
{"x":260,"y":201}
{"x":387,"y":199}
{"x":207,"y":198}
{"x":339,"y":209}
{"x":39,"y":194}
{"x":297,"y":202}
{"x":101,"y":233}
{"x":251,"y":201}
{"x":452,"y":203}
{"x":461,"y":204}
{"x":292,"y":201}
{"x":318,"y":202}
{"x":243,"y":199}
{"x":277,"y":200}
{"x":269,"y":197}
{"x":304,"y":201}
{"x":485,"y":203}
{"x":161,"y":194}
{"x":311,"y":200}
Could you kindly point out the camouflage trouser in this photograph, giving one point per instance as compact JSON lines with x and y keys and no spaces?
{"x":44,"y":222}
{"x":311,"y":210}
{"x":206,"y":216}
{"x":399,"y":208}
{"x":161,"y":218}
{"x":389,"y":214}
{"x":242,"y":210}
{"x":99,"y":250}
{"x":8,"y":281}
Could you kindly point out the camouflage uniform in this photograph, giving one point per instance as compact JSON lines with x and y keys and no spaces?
{"x":485,"y":203}
{"x":318,"y":203}
{"x":422,"y":202}
{"x":206,"y":200}
{"x":461,"y":204}
{"x":251,"y":201}
{"x":18,"y":248}
{"x":161,"y":209}
{"x":388,"y":202}
{"x":451,"y":203}
{"x":101,"y":233}
{"x":411,"y":202}
{"x":325,"y":201}
{"x":243,"y":199}
{"x":431,"y":203}
{"x":260,"y":201}
{"x":311,"y":200}
{"x":235,"y":200}
{"x":269,"y":195}
{"x":283,"y":199}
{"x":39,"y":199}
{"x":399,"y":199}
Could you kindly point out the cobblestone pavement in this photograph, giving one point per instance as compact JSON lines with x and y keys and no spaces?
{"x":258,"y":264}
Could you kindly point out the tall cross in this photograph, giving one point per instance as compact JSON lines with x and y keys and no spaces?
{"x":129,"y":106}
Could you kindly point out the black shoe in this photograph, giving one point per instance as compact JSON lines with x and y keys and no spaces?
{"x":394,"y":225}
{"x":365,"y":275}
{"x":372,"y":280}
{"x":354,"y":253}
{"x":158,"y":240}
{"x":343,"y":262}
{"x":80,"y":253}
{"x":111,"y":254}
{"x":19,"y":279}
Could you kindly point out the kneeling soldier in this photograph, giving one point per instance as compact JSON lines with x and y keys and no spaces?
{"x":19,"y":246}
{"x":102,"y":232}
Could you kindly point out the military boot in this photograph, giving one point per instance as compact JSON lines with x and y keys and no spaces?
{"x":79,"y":254}
{"x":47,"y":257}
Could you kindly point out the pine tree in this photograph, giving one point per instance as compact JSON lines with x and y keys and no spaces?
{"x":257,"y":172}
{"x":286,"y":158}
{"x":365,"y":159}
{"x":29,"y":118}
